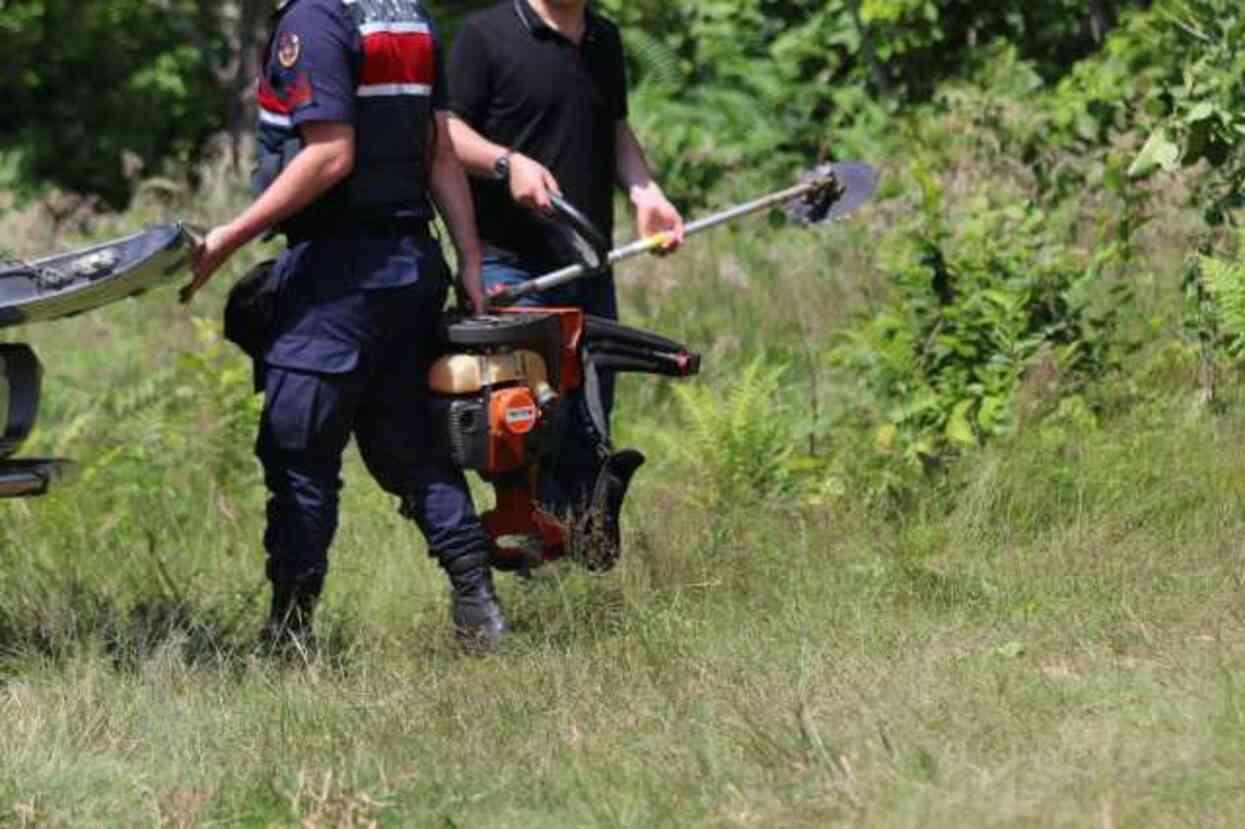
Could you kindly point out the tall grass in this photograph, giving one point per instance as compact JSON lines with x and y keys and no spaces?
{"x":1046,"y":632}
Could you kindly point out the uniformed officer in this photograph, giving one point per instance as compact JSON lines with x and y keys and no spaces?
{"x":538,"y":99}
{"x":352,"y":142}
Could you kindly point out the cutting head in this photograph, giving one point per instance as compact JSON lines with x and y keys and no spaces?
{"x":838,"y":189}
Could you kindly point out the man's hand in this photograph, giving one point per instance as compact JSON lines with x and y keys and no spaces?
{"x":531,"y":183}
{"x":471,"y":289}
{"x":654,"y":214}
{"x":207,"y":258}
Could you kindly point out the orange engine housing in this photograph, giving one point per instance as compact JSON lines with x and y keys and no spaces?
{"x":513,"y":415}
{"x":496,"y":392}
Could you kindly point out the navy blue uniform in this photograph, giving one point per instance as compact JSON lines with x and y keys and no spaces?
{"x":362,"y":284}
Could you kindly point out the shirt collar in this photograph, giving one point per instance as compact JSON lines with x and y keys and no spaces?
{"x":535,"y":24}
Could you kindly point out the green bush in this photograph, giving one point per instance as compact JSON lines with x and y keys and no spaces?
{"x":192,"y":420}
{"x":981,"y":308}
{"x":732,"y":93}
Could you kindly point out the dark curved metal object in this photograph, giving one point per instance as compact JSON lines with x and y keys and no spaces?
{"x":55,"y":287}
{"x":596,"y":539}
{"x":68,"y":284}
{"x":22,"y":377}
{"x":621,"y":348}
{"x":32,"y":478}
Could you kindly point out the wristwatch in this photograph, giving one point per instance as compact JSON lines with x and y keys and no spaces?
{"x":501,"y":167}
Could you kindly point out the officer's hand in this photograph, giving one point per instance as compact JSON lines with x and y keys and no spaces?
{"x":206,"y":260}
{"x":655,"y":214}
{"x":531,"y":183}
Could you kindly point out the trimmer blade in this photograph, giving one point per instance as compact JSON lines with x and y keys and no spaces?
{"x":845,"y":186}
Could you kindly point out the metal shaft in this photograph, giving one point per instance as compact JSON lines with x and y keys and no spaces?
{"x":641,"y":246}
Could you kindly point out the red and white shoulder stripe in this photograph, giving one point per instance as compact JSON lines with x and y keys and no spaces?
{"x":275,"y":110}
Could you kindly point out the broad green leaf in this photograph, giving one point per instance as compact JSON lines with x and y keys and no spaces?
{"x":1159,"y":152}
{"x":958,"y":429}
{"x":1201,"y":112}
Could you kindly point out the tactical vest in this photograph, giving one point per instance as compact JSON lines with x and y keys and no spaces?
{"x":394,"y":68}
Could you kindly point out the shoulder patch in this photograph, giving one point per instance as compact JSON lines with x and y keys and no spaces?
{"x":289,"y":49}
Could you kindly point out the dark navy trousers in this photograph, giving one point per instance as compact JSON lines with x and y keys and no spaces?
{"x":355,"y":336}
{"x":567,"y":483}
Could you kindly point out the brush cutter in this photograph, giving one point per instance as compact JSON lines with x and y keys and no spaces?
{"x":825,"y":194}
{"x":507,"y":379}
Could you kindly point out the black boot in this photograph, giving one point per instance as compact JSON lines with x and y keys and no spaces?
{"x":476,"y":614}
{"x":290,"y":616}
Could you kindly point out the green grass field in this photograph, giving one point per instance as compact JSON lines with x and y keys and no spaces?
{"x":1052,"y":635}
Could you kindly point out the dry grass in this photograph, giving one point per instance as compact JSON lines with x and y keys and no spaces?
{"x":1055,"y":638}
{"x":1063,"y":646}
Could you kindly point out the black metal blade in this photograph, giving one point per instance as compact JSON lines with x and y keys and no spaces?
{"x":847,"y":185}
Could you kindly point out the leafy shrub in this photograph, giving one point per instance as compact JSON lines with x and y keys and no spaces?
{"x":980,"y":312}
{"x":1205,"y":104}
{"x":190,"y":423}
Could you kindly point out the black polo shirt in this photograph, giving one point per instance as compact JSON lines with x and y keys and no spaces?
{"x":522,"y":85}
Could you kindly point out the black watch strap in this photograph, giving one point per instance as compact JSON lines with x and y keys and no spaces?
{"x":501,"y":167}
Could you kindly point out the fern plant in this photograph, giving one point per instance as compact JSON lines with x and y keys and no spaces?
{"x":1225,"y":284}
{"x":195,"y":417}
{"x":1215,"y":314}
{"x":739,"y":438}
{"x":654,"y":58}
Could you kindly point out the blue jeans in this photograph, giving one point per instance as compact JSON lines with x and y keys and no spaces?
{"x":566,"y":483}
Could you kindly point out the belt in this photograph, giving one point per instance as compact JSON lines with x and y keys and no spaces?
{"x":395,"y":226}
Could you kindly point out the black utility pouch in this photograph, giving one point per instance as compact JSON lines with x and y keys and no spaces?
{"x":251,"y":309}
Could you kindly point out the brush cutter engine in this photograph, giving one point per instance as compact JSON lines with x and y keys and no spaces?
{"x":501,"y":393}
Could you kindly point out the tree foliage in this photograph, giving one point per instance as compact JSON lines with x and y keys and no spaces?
{"x":731,"y":87}
{"x":723,"y":87}
{"x":1204,"y":104}
{"x":93,"y":90}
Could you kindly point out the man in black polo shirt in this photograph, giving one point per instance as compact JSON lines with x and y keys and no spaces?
{"x":538,"y":101}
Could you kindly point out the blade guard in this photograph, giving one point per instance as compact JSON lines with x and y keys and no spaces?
{"x":597,"y":540}
{"x":841,"y":188}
